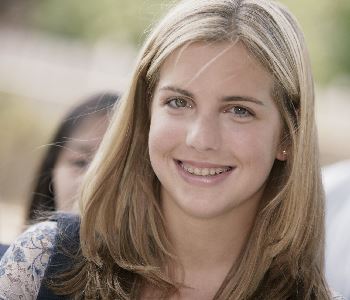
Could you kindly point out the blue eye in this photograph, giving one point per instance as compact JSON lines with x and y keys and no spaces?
{"x":178,"y":103}
{"x":240,"y":112}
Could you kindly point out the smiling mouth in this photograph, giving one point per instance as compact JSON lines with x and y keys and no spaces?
{"x":207,"y":172}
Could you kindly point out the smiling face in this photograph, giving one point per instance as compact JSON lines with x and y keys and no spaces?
{"x":215,"y":130}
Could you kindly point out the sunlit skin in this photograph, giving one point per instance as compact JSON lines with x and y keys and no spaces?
{"x":74,"y":159}
{"x":212,"y":109}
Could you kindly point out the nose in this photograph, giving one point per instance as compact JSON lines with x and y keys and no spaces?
{"x":203,"y":134}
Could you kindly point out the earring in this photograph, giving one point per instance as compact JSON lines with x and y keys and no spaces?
{"x":282,"y":155}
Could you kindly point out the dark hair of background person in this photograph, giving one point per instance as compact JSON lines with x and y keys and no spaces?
{"x":43,"y":194}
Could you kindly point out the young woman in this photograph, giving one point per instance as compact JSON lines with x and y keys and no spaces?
{"x":207,"y":183}
{"x":69,"y":153}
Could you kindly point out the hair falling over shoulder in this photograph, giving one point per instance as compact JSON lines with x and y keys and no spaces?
{"x":124,"y":245}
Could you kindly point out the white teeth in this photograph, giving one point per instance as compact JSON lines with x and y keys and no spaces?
{"x":197,"y":171}
{"x":204,"y":171}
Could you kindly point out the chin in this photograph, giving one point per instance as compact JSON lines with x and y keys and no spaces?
{"x":205,"y":209}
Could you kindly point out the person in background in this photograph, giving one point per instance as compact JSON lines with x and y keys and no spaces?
{"x":207,"y":184}
{"x":336,"y":179}
{"x":68,"y":155}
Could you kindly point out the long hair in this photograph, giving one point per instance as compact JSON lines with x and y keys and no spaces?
{"x":124,"y":242}
{"x":43,"y":193}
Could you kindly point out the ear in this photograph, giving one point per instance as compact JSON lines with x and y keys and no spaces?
{"x":283,"y":148}
{"x":282,"y":154}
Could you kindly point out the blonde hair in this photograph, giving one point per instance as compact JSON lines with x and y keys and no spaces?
{"x":123,"y":239}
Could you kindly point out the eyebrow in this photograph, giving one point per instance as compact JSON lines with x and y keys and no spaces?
{"x":225,"y":99}
{"x":177,"y":90}
{"x":243,"y":98}
{"x":81,"y":147}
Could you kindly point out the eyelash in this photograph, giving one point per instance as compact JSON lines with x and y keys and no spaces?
{"x":79,"y":163}
{"x":174,"y":99}
{"x":247,"y":113}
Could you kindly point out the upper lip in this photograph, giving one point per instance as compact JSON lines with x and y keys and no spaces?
{"x":200,"y":164}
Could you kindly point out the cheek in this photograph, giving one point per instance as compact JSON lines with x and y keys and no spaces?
{"x":62,"y":180}
{"x":256,"y":146}
{"x":164,"y":135}
{"x":66,"y":183}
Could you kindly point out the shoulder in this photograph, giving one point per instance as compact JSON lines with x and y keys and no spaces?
{"x":23,"y":265}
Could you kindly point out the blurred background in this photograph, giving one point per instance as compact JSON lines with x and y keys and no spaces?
{"x":54,"y":53}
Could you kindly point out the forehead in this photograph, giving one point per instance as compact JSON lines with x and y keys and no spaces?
{"x":215,"y":65}
{"x":88,"y":133}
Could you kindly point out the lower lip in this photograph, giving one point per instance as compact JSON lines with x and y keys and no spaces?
{"x":204,"y":181}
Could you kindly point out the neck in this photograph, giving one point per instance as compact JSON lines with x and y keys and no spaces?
{"x":204,"y":244}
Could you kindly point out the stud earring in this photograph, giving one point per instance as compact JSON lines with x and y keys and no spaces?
{"x":284,"y":152}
